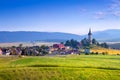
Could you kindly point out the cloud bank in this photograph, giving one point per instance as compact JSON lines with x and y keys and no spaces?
{"x":113,"y":9}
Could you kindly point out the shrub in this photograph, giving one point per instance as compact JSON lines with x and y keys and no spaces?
{"x":20,"y":56}
{"x":103,"y":53}
{"x":92,"y":53}
{"x":96,"y":53}
{"x":118,"y":54}
{"x":106,"y":53}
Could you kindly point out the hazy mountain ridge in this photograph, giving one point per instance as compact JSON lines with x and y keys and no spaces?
{"x":23,"y":36}
{"x":111,"y":35}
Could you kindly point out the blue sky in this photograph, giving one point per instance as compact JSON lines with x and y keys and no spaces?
{"x":71,"y":16}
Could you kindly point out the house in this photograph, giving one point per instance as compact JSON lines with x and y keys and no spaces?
{"x":87,"y":51}
{"x":0,"y":51}
{"x":58,"y":46}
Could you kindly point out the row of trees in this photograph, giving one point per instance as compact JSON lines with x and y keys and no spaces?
{"x":84,"y":43}
{"x":72,"y":43}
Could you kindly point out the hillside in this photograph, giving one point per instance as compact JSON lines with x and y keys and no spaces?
{"x":22,"y":36}
{"x":115,"y":45}
{"x":111,"y":35}
{"x":69,"y":67}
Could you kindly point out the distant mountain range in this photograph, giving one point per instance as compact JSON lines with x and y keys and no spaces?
{"x":25,"y":36}
{"x":112,"y":35}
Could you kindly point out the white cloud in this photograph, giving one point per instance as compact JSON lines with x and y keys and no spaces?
{"x":100,"y":15}
{"x":115,"y":8}
{"x":112,"y":9}
{"x":114,"y":5}
{"x":116,"y":13}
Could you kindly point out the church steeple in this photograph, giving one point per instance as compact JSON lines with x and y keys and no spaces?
{"x":90,"y":33}
{"x":90,"y":36}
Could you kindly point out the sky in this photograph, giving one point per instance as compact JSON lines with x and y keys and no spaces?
{"x":69,"y":16}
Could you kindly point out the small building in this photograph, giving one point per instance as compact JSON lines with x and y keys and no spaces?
{"x":58,"y":46}
{"x":0,"y":52}
{"x":68,"y":47}
{"x":87,"y":51}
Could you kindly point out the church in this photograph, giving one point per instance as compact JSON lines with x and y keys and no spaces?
{"x":89,"y":40}
{"x":90,"y":37}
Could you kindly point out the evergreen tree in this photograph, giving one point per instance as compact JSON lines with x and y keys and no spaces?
{"x":94,"y":41}
{"x":72,"y":43}
{"x":85,"y":42}
{"x":104,"y":45}
{"x":67,"y":43}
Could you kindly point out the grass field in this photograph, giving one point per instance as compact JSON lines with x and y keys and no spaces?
{"x":70,"y":67}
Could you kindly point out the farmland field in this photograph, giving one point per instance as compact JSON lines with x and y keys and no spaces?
{"x":69,"y":67}
{"x":109,"y":51}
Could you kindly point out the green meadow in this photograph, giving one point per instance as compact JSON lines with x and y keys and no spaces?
{"x":69,"y":67}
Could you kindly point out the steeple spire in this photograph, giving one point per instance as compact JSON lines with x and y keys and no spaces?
{"x":90,"y":36}
{"x":90,"y":33}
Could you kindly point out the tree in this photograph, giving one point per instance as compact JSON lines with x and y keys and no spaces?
{"x":20,"y":45}
{"x":62,"y":43}
{"x":67,"y":43}
{"x":43,"y":47}
{"x":104,"y":45}
{"x":72,"y":43}
{"x":85,"y":42}
{"x":94,"y":41}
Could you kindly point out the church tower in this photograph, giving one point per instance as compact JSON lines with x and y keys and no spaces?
{"x":90,"y":36}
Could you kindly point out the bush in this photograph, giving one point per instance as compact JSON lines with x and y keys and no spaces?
{"x":118,"y":54}
{"x":20,"y":56}
{"x":104,"y":53}
{"x":92,"y":53}
{"x":96,"y":53}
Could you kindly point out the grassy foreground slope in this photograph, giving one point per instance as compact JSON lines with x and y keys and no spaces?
{"x":70,"y":67}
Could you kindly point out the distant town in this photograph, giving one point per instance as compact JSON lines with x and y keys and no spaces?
{"x":68,"y":47}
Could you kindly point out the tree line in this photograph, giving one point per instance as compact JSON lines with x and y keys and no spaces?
{"x":84,"y":43}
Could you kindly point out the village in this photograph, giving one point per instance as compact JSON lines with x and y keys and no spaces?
{"x":39,"y":50}
{"x":69,"y":47}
